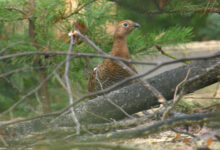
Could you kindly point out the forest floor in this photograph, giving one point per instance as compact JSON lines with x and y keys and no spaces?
{"x":198,"y":101}
{"x":170,"y":140}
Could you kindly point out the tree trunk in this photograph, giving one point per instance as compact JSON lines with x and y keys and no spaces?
{"x":42,"y":72}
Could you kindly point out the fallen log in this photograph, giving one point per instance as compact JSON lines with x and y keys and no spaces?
{"x":136,"y":97}
{"x":132,"y":99}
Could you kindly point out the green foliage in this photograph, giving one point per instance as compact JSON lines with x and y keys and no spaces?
{"x":172,"y":35}
{"x":211,"y":30}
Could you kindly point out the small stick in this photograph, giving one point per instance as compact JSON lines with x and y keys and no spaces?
{"x":176,"y":98}
{"x":159,"y":48}
{"x":68,"y":58}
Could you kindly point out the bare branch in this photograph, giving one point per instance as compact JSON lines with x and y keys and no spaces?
{"x":3,"y":141}
{"x":34,"y":90}
{"x":68,"y":58}
{"x":4,"y":49}
{"x":109,"y":100}
{"x":145,"y":130}
{"x":122,"y":124}
{"x":96,"y":145}
{"x":16,"y":9}
{"x":20,"y":69}
{"x":79,"y":9}
{"x":74,"y":55}
{"x":18,"y":19}
{"x":60,"y":81}
{"x":159,"y":48}
{"x":119,"y":107}
{"x":175,"y":98}
{"x":13,"y":85}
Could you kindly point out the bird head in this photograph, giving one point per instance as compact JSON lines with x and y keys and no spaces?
{"x":124,"y":28}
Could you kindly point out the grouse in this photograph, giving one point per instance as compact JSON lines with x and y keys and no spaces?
{"x":109,"y":72}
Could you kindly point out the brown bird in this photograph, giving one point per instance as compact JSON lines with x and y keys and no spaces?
{"x":109,"y":72}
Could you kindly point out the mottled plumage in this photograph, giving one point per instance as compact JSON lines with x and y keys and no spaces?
{"x":109,"y":72}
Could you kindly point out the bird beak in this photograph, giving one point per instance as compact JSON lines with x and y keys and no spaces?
{"x":136,"y":25}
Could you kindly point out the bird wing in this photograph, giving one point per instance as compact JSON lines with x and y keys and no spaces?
{"x":107,"y":74}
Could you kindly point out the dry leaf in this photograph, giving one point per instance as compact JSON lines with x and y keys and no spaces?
{"x":209,"y":142}
{"x":154,"y":143}
{"x":178,"y":135}
{"x":186,"y":140}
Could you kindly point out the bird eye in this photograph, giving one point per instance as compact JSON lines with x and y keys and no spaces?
{"x":125,"y":25}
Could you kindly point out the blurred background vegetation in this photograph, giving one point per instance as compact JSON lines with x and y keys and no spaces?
{"x":43,"y":25}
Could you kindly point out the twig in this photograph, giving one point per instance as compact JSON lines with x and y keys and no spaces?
{"x":20,"y":69}
{"x":119,"y":107}
{"x":3,"y":141}
{"x":145,"y":130}
{"x":111,"y":102}
{"x":110,"y":57}
{"x":13,"y":85}
{"x":217,"y":88}
{"x":97,"y":116}
{"x":5,"y":48}
{"x":122,"y":124}
{"x":175,"y":98}
{"x":79,"y":9}
{"x":68,"y":57}
{"x":74,"y":55}
{"x":182,"y":132}
{"x":60,"y":115}
{"x":60,"y":81}
{"x":96,"y":145}
{"x":39,"y":101}
{"x":159,"y":48}
{"x":18,"y":19}
{"x":34,"y":90}
{"x":16,"y":9}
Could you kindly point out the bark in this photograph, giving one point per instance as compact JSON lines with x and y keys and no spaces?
{"x":44,"y":90}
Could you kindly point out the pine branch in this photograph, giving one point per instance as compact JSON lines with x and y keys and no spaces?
{"x":78,"y":9}
{"x":16,"y":9}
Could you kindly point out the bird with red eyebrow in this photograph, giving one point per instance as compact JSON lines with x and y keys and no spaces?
{"x":109,"y":72}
